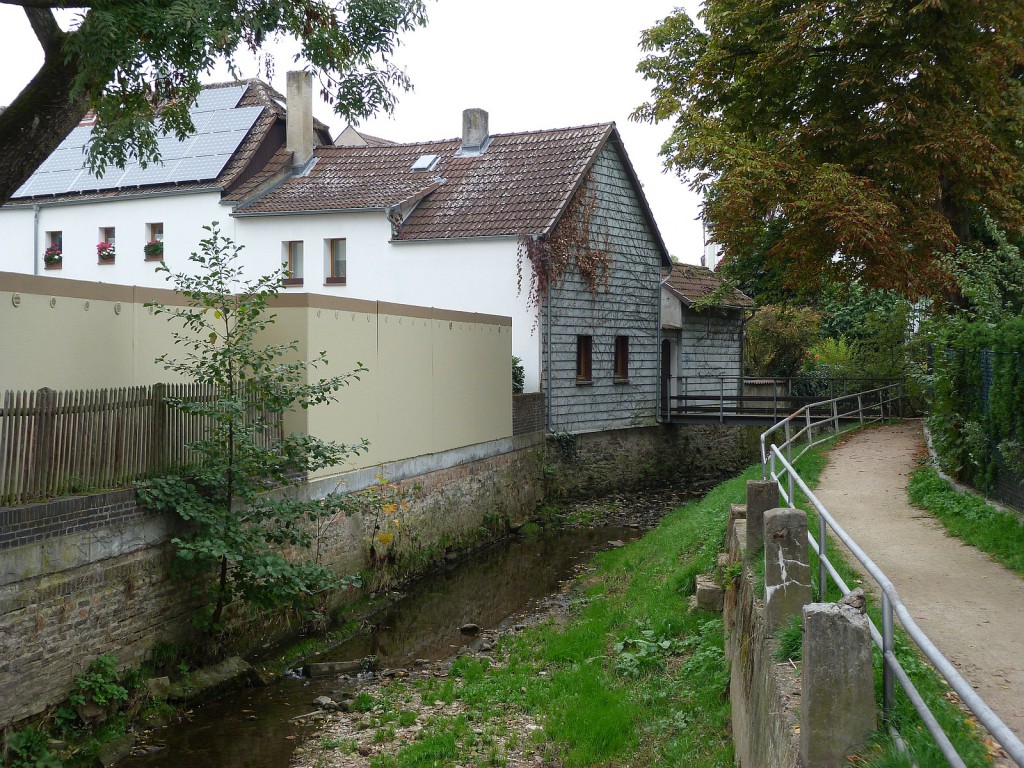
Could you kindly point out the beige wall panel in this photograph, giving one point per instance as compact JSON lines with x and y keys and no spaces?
{"x":436,"y":380}
{"x":405,"y":368}
{"x":348,"y":338}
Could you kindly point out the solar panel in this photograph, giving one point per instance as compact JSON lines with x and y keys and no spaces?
{"x":220,"y":128}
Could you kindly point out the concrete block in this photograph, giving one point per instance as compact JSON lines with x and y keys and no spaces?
{"x":787,"y":574}
{"x":709,"y":594}
{"x":761,"y":496}
{"x":837,"y":702}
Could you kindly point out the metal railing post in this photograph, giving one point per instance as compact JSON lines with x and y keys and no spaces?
{"x":822,"y":570}
{"x":835,"y":415}
{"x":810,"y":435}
{"x":721,"y":401}
{"x":888,"y":647}
{"x":860,"y":408}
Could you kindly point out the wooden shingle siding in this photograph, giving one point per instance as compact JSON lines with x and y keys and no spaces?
{"x":709,"y":346}
{"x":629,"y":307}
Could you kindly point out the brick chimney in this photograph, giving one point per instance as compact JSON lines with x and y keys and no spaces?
{"x":300,"y":116}
{"x":474,"y":131}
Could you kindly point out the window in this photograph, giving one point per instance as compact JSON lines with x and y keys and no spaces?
{"x":291,"y":261}
{"x":335,"y":266}
{"x":105,"y":249}
{"x":154,"y":247}
{"x":621,"y":359}
{"x":108,"y":235}
{"x":584,"y":358}
{"x":53,"y":256}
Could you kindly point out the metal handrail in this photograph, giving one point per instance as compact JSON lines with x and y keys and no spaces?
{"x":892,"y":604}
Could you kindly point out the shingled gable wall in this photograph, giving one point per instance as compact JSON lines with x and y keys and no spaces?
{"x":628,"y":308}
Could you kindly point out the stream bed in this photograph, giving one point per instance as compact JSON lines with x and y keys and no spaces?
{"x":254,"y":727}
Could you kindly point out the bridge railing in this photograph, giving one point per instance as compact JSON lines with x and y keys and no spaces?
{"x":803,"y":429}
{"x":725,"y":396}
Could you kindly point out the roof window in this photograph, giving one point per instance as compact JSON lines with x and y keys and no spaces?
{"x":425,"y":163}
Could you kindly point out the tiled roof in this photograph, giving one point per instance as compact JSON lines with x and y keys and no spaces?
{"x":518,"y":185}
{"x":692,"y":283}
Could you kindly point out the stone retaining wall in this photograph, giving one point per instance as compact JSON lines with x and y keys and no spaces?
{"x":765,"y":695}
{"x":595,"y":463}
{"x":90,"y":575}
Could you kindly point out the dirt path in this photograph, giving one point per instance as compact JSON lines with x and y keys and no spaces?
{"x":971,"y":607}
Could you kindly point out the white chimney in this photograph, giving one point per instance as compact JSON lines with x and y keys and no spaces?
{"x":300,"y":117}
{"x":474,"y":131}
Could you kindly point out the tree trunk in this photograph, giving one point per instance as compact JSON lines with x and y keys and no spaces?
{"x":40,"y":118}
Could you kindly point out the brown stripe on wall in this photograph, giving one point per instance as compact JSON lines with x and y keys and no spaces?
{"x":58,"y":286}
{"x":434,"y":313}
{"x":320,"y":301}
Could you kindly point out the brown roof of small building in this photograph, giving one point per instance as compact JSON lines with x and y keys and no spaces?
{"x":519,"y":185}
{"x":692,"y":283}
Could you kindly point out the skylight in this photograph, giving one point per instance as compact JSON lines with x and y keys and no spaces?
{"x":425,"y":163}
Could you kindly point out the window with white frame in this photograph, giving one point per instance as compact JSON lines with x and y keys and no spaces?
{"x":291,"y":261}
{"x":335,"y":264}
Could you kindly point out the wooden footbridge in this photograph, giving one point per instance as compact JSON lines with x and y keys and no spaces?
{"x":745,"y":400}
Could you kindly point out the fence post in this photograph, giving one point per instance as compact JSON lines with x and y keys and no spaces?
{"x":860,"y":407}
{"x":42,"y":440}
{"x":787,"y":574}
{"x":888,"y":648}
{"x":837,"y":691}
{"x":835,"y":415}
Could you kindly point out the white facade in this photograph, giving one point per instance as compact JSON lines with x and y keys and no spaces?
{"x":469,"y":275}
{"x":26,"y":232}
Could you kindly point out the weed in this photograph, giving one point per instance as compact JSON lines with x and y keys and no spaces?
{"x":26,"y":748}
{"x":347,"y":746}
{"x":790,"y":641}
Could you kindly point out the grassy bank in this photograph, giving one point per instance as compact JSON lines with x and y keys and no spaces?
{"x":970,"y":519}
{"x":627,"y":677}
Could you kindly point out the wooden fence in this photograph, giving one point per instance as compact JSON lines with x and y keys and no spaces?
{"x":59,"y":443}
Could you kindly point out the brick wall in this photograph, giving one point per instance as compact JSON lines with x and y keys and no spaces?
{"x":527,"y":413}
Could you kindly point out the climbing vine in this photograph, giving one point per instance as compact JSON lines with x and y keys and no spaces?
{"x":571,"y":243}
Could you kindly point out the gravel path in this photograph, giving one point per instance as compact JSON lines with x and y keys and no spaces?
{"x":971,"y":607}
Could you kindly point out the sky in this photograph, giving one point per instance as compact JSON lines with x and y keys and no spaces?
{"x":532,"y":64}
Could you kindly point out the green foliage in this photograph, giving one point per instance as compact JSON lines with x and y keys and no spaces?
{"x":830,"y":357}
{"x":790,"y":641}
{"x":969,"y":418}
{"x":100,"y":683}
{"x":989,"y":274}
{"x":813,"y":125}
{"x":241,"y":522}
{"x":139,"y":64}
{"x":518,"y":375}
{"x":27,"y":748}
{"x":777,"y":338}
{"x":643,"y":652}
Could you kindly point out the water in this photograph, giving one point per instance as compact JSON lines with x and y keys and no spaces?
{"x":252,"y":728}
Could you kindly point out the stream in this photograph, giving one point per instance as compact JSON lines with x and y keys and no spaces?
{"x":253,"y":728}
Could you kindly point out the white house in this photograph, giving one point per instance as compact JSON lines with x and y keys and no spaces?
{"x":437,"y":224}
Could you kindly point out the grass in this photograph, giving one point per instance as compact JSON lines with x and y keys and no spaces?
{"x":631,"y":676}
{"x":969,"y":518}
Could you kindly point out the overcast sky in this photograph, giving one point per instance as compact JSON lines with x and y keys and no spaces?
{"x":531,"y":64}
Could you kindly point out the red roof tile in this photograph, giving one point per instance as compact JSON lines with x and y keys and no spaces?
{"x":518,"y":185}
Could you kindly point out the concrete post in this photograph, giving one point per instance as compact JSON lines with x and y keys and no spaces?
{"x":762,"y":495}
{"x":787,"y":574}
{"x":837,"y":699}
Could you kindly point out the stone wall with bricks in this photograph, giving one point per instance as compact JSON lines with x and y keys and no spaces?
{"x":89,"y":575}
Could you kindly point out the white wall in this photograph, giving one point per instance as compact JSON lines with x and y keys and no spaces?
{"x":182,"y":215}
{"x":466,"y":275}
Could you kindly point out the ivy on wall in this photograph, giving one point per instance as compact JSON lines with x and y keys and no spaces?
{"x":571,"y":243}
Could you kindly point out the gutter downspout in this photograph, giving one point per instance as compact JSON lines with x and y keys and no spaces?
{"x":658,"y":418}
{"x":35,"y":239}
{"x":547,"y":386}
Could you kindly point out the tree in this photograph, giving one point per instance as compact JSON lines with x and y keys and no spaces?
{"x":137,"y":65}
{"x":232,"y":496}
{"x":869,"y":132}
